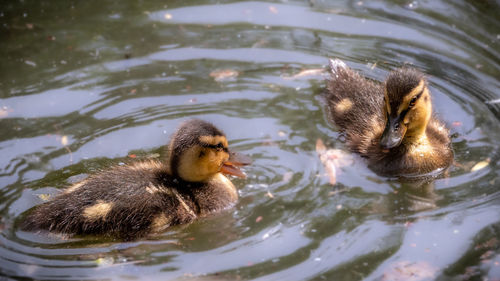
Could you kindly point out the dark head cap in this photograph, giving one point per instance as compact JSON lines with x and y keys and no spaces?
{"x":189,"y":134}
{"x":400,"y":83}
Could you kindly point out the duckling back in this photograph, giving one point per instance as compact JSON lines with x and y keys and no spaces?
{"x":355,"y":106}
{"x":129,"y":202}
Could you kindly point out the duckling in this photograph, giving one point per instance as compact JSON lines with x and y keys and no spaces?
{"x":134,"y":200}
{"x":389,"y":124}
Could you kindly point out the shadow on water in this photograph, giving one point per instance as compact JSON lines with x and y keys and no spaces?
{"x":85,"y":85}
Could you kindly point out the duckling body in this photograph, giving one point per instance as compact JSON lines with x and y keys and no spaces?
{"x":131,"y":201}
{"x":389,"y":124}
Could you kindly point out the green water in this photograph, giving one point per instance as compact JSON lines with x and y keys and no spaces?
{"x":85,"y":84}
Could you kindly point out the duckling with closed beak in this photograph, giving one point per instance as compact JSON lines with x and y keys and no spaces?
{"x":389,"y":124}
{"x":131,"y":201}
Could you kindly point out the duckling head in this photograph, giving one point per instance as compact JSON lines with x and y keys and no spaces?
{"x":408,"y":107}
{"x":198,"y":151}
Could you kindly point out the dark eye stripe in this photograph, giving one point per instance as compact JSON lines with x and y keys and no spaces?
{"x":403,"y":113}
{"x":213,"y":146}
{"x":209,"y":145}
{"x":414,"y":99}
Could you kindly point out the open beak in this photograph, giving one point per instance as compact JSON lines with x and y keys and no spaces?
{"x":236,"y":160}
{"x":393,"y":134}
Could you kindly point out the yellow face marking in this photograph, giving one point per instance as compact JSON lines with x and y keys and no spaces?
{"x":343,"y":106}
{"x":406,"y":100}
{"x":199,"y":164}
{"x":214,"y":140}
{"x":75,"y":187}
{"x":97,"y":211}
{"x":418,"y":118}
{"x":160,"y":222}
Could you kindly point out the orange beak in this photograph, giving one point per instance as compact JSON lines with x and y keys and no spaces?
{"x":231,"y":166}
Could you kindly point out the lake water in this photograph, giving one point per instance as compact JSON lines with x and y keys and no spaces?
{"x":90,"y":84}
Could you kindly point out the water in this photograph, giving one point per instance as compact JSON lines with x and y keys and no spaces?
{"x":88,"y":85}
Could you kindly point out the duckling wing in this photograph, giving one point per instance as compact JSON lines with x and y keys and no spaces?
{"x":355,"y":105}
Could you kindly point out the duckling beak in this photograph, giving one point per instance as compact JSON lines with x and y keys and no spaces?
{"x":393,"y":134}
{"x":236,"y":160}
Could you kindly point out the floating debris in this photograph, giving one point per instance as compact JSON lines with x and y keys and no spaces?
{"x":224,"y":74}
{"x":320,"y":146}
{"x":332,"y":159}
{"x":493,"y":101}
{"x":331,"y":170}
{"x":271,"y":231}
{"x":104,"y":261}
{"x":273,"y":9}
{"x":4,"y":112}
{"x":64,"y":140}
{"x":44,"y":197}
{"x":287,"y":177}
{"x":258,"y":219}
{"x":371,"y":66}
{"x":306,"y":73}
{"x":412,"y":5}
{"x":168,"y":16}
{"x":30,"y":63}
{"x":270,"y":195}
{"x":480,"y":165}
{"x":410,"y":271}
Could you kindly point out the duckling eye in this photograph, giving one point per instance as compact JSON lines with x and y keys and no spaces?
{"x":413,"y":101}
{"x":219,"y":146}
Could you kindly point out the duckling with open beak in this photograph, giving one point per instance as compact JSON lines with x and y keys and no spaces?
{"x":145,"y":197}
